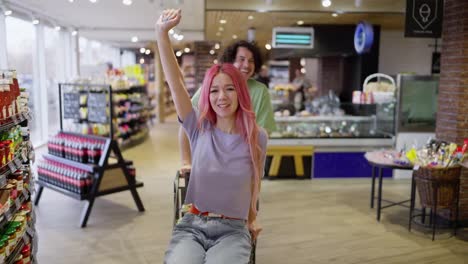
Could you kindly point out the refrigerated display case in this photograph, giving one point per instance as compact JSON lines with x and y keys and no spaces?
{"x":339,"y":141}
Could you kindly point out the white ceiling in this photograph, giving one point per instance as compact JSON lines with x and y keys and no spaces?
{"x":110,"y":20}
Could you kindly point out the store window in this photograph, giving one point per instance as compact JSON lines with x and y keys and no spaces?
{"x":52,"y":42}
{"x":20,"y":42}
{"x":94,"y":57}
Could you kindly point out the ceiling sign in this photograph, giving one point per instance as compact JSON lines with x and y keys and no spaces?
{"x":363,"y":37}
{"x":424,"y":18}
{"x":293,"y":37}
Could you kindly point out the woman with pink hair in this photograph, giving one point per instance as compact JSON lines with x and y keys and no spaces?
{"x":228,"y":150}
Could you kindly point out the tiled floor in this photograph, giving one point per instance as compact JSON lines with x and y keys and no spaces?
{"x":317,"y":221}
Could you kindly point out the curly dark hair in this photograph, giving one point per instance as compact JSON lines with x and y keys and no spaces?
{"x":229,"y":53}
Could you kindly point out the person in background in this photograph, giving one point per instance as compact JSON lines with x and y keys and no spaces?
{"x":301,"y":85}
{"x":223,"y":133}
{"x":264,"y":76}
{"x":246,"y":57}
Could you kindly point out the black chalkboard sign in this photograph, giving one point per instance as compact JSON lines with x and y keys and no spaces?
{"x":71,"y":105}
{"x":424,"y":18}
{"x":97,"y":107}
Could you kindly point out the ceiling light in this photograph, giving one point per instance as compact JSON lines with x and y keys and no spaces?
{"x":93,"y":1}
{"x":234,"y":36}
{"x":57,"y":28}
{"x":142,"y":50}
{"x":176,"y":36}
{"x":134,"y":39}
{"x":303,"y":62}
{"x":223,"y":21}
{"x":8,"y":12}
{"x":221,"y":29}
{"x":215,"y":61}
{"x":212,"y":52}
{"x":303,"y":70}
{"x":147,"y":52}
{"x":326,"y":3}
{"x":127,"y":2}
{"x":216,"y":46}
{"x":262,"y":11}
{"x":142,"y":61}
{"x":171,"y":31}
{"x":187,"y":50}
{"x":300,"y":22}
{"x":218,"y":34}
{"x":178,"y":53}
{"x":35,"y":21}
{"x":71,"y":1}
{"x":268,"y":46}
{"x":74,"y":33}
{"x":334,"y":14}
{"x":181,"y":37}
{"x":250,"y":17}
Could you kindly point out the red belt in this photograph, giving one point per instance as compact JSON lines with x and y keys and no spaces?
{"x":194,"y":210}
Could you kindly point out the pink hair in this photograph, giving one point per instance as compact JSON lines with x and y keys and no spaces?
{"x":245,"y":117}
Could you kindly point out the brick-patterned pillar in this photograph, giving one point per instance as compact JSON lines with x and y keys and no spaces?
{"x":452,"y":114}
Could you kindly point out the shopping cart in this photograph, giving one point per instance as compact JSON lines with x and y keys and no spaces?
{"x":180,"y":190}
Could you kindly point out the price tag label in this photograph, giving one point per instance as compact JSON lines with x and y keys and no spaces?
{"x":26,"y":239}
{"x":25,"y":194}
{"x":8,"y":215}
{"x":30,"y":231}
{"x":18,"y":163}
{"x":12,"y":167}
{"x":18,"y":203}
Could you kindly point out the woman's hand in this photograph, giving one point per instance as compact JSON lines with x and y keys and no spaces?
{"x":168,"y":19}
{"x":254,"y":229}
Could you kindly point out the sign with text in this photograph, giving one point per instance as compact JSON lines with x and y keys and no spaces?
{"x":71,"y":105}
{"x":97,"y":107}
{"x":424,"y":18}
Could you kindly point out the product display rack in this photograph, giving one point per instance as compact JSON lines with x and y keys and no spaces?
{"x":18,"y":239}
{"x":109,"y":174}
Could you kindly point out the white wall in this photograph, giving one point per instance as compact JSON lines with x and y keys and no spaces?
{"x":399,"y":54}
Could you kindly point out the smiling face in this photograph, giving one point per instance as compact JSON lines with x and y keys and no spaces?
{"x":223,"y":96}
{"x":245,"y":62}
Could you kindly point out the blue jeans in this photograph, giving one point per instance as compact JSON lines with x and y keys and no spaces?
{"x":200,"y":239}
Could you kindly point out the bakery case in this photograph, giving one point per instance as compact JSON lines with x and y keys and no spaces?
{"x":336,"y":138}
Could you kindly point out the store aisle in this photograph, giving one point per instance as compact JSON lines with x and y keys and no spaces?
{"x":319,"y":221}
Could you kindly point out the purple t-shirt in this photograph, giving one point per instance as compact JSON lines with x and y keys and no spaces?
{"x":222,"y":170}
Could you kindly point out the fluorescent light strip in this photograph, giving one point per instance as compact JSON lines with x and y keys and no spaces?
{"x":300,"y":37}
{"x":292,"y":41}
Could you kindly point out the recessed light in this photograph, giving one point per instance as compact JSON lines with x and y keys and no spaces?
{"x":216,"y":46}
{"x":215,"y":61}
{"x":334,"y":14}
{"x":250,"y":17}
{"x":134,"y":39}
{"x":181,"y":37}
{"x":147,"y":52}
{"x":300,"y":22}
{"x":212,"y":52}
{"x":178,"y":53}
{"x":187,"y":50}
{"x":71,"y":1}
{"x":234,"y":36}
{"x":171,"y":31}
{"x":223,"y":21}
{"x":127,"y":2}
{"x":57,"y":28}
{"x":93,"y":1}
{"x":74,"y":33}
{"x":142,"y":50}
{"x":8,"y":12}
{"x":142,"y":61}
{"x":35,"y":21}
{"x":326,"y":3}
{"x":268,"y":46}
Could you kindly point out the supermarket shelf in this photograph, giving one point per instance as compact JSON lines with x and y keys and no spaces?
{"x":14,"y":120}
{"x":11,"y":211}
{"x":83,"y":166}
{"x":61,"y":190}
{"x":9,"y":168}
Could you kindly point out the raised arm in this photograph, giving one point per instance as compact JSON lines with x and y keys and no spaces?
{"x":169,"y":19}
